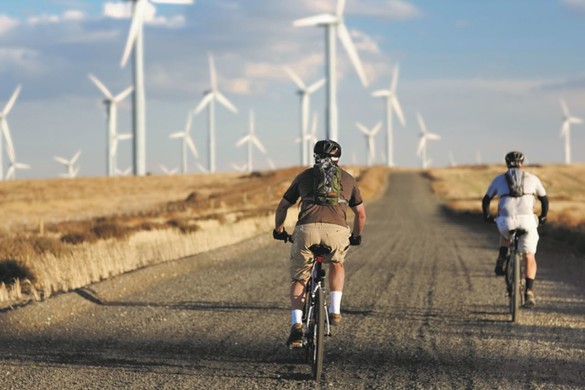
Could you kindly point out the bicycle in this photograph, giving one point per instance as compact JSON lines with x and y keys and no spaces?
{"x":515,"y":269}
{"x":315,"y":312}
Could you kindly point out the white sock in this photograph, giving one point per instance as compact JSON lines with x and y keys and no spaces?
{"x":297,"y":316}
{"x":335,"y":304}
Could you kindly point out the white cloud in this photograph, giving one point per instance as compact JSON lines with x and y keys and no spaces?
{"x":578,"y":4}
{"x":7,"y":24}
{"x":365,"y":43}
{"x":19,"y":58}
{"x":124,"y":11}
{"x":70,"y":15}
{"x":387,"y":9}
{"x":73,"y":15}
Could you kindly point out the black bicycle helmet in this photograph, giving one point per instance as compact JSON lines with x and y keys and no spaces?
{"x":514,"y":159}
{"x":327,"y":148}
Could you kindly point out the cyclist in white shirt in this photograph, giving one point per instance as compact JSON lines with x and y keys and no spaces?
{"x":517,"y":190}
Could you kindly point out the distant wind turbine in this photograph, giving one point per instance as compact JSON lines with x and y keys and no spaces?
{"x":124,"y":172}
{"x":13,"y":166}
{"x":135,"y":43}
{"x":370,"y":142}
{"x":452,"y":159}
{"x":208,"y":100}
{"x":185,"y":136}
{"x":240,"y":168}
{"x":111,"y":103}
{"x":305,"y":94}
{"x":334,"y":25}
{"x":270,"y":163}
{"x":566,"y":129}
{"x":422,"y":143}
{"x":168,"y":171}
{"x":201,"y":167}
{"x":5,"y":129}
{"x":251,"y":140}
{"x":69,"y":165}
{"x":117,"y":138}
{"x":392,"y":104}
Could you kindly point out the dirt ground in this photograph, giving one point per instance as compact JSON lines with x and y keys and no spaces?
{"x":422,"y":310}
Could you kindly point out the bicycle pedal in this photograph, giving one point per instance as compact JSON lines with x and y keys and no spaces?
{"x":296,"y":345}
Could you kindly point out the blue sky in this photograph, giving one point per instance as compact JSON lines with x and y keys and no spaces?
{"x":485,"y":75}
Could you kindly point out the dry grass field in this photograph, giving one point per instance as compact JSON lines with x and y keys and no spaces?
{"x":462,"y":189}
{"x":61,"y":234}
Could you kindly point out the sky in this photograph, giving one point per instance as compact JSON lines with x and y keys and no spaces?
{"x":487,"y":76}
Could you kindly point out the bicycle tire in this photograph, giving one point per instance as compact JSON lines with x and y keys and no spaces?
{"x":516,"y":293}
{"x":309,"y":320}
{"x":319,"y":335}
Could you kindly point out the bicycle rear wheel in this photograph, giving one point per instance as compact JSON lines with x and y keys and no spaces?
{"x":516,"y":296}
{"x":319,"y":335}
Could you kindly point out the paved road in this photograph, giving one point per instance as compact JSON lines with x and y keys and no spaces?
{"x":422,"y":309}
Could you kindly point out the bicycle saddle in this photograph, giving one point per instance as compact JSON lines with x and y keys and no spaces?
{"x":320,"y":249}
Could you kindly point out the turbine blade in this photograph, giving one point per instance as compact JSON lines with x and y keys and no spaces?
{"x":61,"y":160}
{"x":177,"y":135}
{"x":351,"y":51}
{"x":9,"y":145}
{"x":21,"y":166}
{"x":421,"y":145}
{"x":212,"y":74}
{"x":223,"y":100}
{"x":377,"y":128}
{"x":433,"y":136}
{"x":11,"y":101}
{"x":315,"y":20}
{"x":10,"y":172}
{"x":122,"y":95}
{"x":243,"y":140}
{"x":396,"y":105}
{"x":259,"y":144}
{"x":362,"y":128}
{"x":565,"y":128}
{"x":564,"y":107}
{"x":189,"y":122}
{"x":75,"y":157}
{"x":204,"y":102}
{"x":394,"y":81}
{"x":575,"y":120}
{"x":295,"y":78}
{"x":135,"y":26}
{"x":381,"y":93}
{"x":340,"y":8}
{"x":315,"y":86}
{"x":421,"y":123}
{"x":191,"y":145}
{"x":101,"y":86}
{"x":123,"y":137}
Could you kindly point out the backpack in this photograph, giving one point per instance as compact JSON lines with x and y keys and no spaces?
{"x":515,"y":179}
{"x":327,"y":185}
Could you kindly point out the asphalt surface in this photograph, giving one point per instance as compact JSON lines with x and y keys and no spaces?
{"x":422,"y":310}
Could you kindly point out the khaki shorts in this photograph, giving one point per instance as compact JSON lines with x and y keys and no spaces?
{"x":336,"y":236}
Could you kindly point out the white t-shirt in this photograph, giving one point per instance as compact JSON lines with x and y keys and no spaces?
{"x":510,"y":206}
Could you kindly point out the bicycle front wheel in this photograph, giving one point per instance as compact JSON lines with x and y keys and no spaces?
{"x":319,"y":335}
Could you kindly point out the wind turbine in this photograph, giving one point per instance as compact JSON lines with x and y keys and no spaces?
{"x":452,"y":162}
{"x":209,"y":99}
{"x":251,"y":138}
{"x":187,"y":141}
{"x":370,"y":134}
{"x":422,"y":143}
{"x":566,"y":129}
{"x":135,"y":42}
{"x":69,"y":164}
{"x":305,"y":93}
{"x":118,"y":138}
{"x":124,"y":172}
{"x":13,"y":166}
{"x":391,"y":103}
{"x":111,"y":103}
{"x":239,"y":168}
{"x":334,"y":26}
{"x":167,"y":171}
{"x":4,"y":125}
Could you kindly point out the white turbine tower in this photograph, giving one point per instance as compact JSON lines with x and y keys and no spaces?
{"x":209,"y":99}
{"x":4,"y":126}
{"x":111,"y":103}
{"x":566,"y":129}
{"x":421,"y":150}
{"x":251,"y":140}
{"x":13,"y":166}
{"x":305,"y":93}
{"x":69,"y":165}
{"x":334,"y":26}
{"x":185,"y":136}
{"x":392,"y":104}
{"x":135,"y":42}
{"x":370,"y":141}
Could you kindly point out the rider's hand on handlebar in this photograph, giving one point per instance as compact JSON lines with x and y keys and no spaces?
{"x":488,"y":218}
{"x":355,"y":240}
{"x":282,"y":236}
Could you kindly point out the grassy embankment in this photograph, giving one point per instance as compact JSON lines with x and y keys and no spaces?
{"x":61,"y":234}
{"x":462,"y":188}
